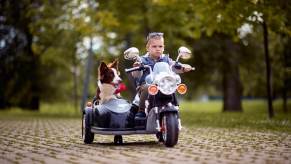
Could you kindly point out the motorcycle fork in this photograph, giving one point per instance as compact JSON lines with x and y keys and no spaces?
{"x":156,"y":110}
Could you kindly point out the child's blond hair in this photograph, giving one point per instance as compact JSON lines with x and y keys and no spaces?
{"x":154,"y":35}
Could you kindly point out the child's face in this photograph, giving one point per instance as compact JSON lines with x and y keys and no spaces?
{"x":156,"y":47}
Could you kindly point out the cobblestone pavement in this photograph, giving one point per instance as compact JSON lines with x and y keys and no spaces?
{"x":59,"y":141}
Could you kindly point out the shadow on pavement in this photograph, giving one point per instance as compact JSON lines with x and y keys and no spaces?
{"x":139,"y":143}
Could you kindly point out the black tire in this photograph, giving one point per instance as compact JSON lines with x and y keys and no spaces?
{"x":118,"y":140}
{"x":88,"y":135}
{"x":170,"y":130}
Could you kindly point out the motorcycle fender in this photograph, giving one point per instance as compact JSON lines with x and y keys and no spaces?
{"x":89,"y":115}
{"x":169,"y":110}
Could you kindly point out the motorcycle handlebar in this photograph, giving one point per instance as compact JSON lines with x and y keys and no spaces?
{"x":128,"y":70}
{"x":143,"y":67}
{"x":179,"y":66}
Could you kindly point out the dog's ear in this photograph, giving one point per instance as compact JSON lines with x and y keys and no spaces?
{"x":103,"y":67}
{"x":114,"y":64}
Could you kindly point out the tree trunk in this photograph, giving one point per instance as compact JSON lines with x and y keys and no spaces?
{"x":232,"y":90}
{"x":268,"y":70}
{"x":285,"y":98}
{"x":35,"y":90}
{"x":34,"y":75}
{"x":75,"y":87}
{"x":232,"y":87}
{"x":287,"y":78}
{"x":2,"y":89}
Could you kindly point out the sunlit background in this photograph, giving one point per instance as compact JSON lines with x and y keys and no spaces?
{"x":45,"y":47}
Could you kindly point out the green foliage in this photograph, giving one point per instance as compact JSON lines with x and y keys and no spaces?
{"x":210,"y":24}
{"x":19,"y":74}
{"x":121,"y":24}
{"x":59,"y":29}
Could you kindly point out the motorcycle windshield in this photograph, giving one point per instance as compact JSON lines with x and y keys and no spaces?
{"x":116,"y":105}
{"x":161,"y":67}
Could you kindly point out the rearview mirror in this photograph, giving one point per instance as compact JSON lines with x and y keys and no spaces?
{"x":184,"y":53}
{"x":131,"y":54}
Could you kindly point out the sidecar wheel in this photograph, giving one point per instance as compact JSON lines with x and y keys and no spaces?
{"x":118,"y":140}
{"x":88,"y":135}
{"x":170,"y":130}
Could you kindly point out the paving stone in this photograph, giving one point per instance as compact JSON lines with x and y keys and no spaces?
{"x":36,"y":140}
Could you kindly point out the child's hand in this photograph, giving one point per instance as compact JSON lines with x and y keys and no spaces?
{"x":187,"y":67}
{"x":89,"y":104}
{"x":136,"y":64}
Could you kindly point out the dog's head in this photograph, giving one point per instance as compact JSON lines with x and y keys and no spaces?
{"x":109,"y":73}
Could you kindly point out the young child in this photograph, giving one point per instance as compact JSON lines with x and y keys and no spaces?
{"x":155,"y":48}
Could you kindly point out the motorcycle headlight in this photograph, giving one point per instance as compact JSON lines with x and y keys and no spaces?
{"x":167,"y":85}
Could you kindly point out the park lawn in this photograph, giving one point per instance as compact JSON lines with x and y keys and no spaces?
{"x":192,"y":113}
{"x":49,"y":110}
{"x":254,"y":116}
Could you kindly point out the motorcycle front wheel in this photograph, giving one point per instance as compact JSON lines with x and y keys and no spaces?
{"x":170,"y":130}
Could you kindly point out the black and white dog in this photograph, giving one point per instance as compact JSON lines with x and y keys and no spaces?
{"x":108,"y":82}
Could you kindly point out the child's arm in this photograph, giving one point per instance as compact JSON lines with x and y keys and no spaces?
{"x":182,"y":68}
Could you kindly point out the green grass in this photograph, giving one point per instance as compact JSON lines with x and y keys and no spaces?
{"x":51,"y":110}
{"x":193,"y":114}
{"x":254,"y":116}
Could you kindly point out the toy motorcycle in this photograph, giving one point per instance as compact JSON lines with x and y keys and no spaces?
{"x":116,"y":117}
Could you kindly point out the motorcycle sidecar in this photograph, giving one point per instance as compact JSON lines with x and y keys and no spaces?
{"x":115,"y":118}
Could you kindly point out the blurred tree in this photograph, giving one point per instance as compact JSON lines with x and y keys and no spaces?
{"x":56,"y":32}
{"x":274,"y":14}
{"x":63,"y":31}
{"x":228,"y":20}
{"x":226,"y":37}
{"x":19,"y":65}
{"x":221,"y":20}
